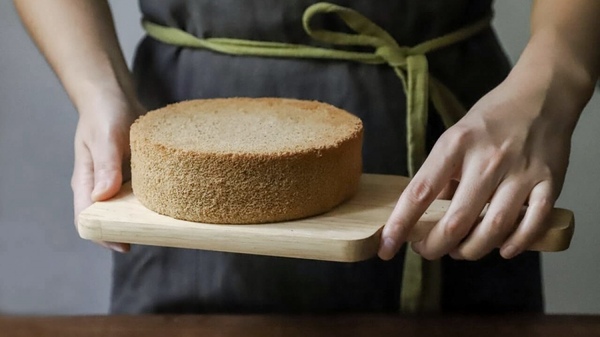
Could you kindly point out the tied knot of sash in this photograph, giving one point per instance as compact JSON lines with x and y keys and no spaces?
{"x":368,"y":34}
{"x":395,"y":56}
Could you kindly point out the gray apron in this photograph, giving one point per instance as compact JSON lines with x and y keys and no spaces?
{"x":169,"y":280}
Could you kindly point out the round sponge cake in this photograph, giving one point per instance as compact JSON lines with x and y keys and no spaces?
{"x":245,"y":160}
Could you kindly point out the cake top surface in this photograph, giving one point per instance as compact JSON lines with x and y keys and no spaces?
{"x":247,"y":125}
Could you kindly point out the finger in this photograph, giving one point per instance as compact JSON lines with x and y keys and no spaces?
{"x":108,"y":178}
{"x":541,"y":202}
{"x":418,"y":195}
{"x":107,"y":158}
{"x":498,"y":223}
{"x":118,"y":247}
{"x":82,"y":182}
{"x":448,"y":192}
{"x":464,"y":211}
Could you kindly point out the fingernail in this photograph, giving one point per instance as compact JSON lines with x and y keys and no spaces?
{"x":116,"y":247}
{"x":99,"y":189}
{"x":509,"y":252}
{"x":388,"y":249}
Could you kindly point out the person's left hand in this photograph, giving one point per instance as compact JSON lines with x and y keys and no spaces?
{"x":511,"y":149}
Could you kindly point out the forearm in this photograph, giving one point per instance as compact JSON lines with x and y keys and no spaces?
{"x":563,"y":53}
{"x":79,"y":41}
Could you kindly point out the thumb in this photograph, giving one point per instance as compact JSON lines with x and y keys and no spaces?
{"x":107,"y":159}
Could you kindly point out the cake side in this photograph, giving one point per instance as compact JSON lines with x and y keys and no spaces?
{"x":218,"y":187}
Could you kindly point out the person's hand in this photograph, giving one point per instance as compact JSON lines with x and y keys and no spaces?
{"x":511,"y":149}
{"x":102,"y":155}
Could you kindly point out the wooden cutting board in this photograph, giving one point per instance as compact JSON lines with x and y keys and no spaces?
{"x":348,"y":233}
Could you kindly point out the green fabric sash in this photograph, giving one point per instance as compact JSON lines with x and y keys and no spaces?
{"x":421,"y":280}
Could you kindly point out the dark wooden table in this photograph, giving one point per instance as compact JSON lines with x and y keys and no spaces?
{"x":304,"y":326}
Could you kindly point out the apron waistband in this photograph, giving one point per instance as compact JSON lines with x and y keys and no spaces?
{"x":421,"y":279}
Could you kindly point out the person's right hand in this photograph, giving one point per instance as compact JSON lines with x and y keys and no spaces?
{"x":102,"y":155}
{"x":79,"y":41}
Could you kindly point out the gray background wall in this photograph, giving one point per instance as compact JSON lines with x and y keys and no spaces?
{"x":46,"y":269}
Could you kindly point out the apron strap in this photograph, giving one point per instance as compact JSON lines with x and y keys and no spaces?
{"x":421,"y":285}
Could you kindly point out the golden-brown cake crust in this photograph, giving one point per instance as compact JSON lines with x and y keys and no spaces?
{"x":245,"y":160}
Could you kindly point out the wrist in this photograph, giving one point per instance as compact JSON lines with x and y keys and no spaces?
{"x":102,"y":97}
{"x":107,"y":100}
{"x":105,"y":82}
{"x":551,"y":64}
{"x":550,"y":70}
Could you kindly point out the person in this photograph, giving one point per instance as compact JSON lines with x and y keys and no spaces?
{"x":510,"y":149}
